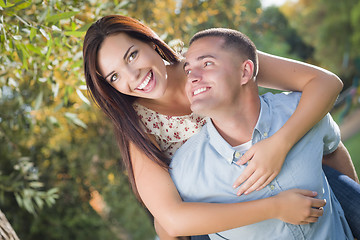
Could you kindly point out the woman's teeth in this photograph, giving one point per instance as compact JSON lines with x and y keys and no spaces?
{"x":200,"y":90}
{"x":145,"y":82}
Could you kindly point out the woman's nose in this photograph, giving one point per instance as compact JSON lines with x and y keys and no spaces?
{"x":133,"y":73}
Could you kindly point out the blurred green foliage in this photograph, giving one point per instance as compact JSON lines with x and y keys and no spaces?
{"x":60,"y":173}
{"x":332,"y":28}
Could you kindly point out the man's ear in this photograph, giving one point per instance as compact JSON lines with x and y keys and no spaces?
{"x":247,"y":71}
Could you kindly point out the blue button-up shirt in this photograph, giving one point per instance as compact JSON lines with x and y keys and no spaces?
{"x":204,"y":170}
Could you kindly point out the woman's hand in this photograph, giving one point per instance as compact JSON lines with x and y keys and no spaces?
{"x":267,"y":158}
{"x":297,"y":206}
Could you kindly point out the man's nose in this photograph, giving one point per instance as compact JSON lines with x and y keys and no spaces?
{"x":195,"y":76}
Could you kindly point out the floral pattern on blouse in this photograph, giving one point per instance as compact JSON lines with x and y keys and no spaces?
{"x":170,"y":131}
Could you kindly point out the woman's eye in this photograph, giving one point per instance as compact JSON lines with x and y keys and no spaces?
{"x":132,"y":56}
{"x":187,"y":72}
{"x":114,"y":77}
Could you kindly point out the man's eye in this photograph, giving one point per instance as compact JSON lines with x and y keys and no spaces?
{"x":207,"y":64}
{"x":114,"y":77}
{"x":132,"y":56}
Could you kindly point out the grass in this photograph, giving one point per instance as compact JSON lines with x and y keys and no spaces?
{"x":353,"y":146}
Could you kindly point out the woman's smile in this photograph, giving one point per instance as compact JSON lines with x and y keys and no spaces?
{"x":148,"y":83}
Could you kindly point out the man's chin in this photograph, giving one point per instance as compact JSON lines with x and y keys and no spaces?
{"x":199,"y":109}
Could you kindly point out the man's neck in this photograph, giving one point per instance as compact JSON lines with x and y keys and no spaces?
{"x":236,"y":123}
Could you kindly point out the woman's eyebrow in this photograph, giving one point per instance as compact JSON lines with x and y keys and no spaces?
{"x":125,"y":55}
{"x":109,"y":74}
{"x":127,"y":52}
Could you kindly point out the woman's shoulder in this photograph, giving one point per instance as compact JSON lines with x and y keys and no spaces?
{"x":170,"y":131}
{"x":148,"y":114}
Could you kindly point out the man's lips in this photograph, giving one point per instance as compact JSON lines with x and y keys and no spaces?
{"x":200,"y":90}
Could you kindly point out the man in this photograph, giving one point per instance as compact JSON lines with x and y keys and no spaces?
{"x":221,"y":65}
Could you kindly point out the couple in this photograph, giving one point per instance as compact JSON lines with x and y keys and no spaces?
{"x":146,"y":100}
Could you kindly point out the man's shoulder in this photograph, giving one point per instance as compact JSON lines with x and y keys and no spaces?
{"x":191,"y":146}
{"x":282,"y":103}
{"x":282,"y":96}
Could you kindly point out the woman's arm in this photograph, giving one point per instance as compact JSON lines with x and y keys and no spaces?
{"x":163,"y":235}
{"x":320,"y":89}
{"x":179,"y":218}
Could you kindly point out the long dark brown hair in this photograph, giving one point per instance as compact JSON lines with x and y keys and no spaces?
{"x":117,"y":106}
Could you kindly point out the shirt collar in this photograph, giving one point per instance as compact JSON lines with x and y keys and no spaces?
{"x":263,"y":124}
{"x":219,"y":143}
{"x":261,"y":131}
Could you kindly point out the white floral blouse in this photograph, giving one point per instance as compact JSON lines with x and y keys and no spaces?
{"x":170,"y":131}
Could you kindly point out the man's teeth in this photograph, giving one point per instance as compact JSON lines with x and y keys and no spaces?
{"x":146,"y":81}
{"x":200,"y":90}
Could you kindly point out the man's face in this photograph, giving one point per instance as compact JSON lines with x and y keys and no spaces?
{"x":214,"y":75}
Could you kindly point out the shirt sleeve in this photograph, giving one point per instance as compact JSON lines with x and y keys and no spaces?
{"x":332,"y":135}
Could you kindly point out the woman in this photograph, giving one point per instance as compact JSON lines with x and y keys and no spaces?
{"x":124,"y":69}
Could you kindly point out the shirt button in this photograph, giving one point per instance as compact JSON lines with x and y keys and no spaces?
{"x":265,"y":134}
{"x":272,"y":187}
{"x":237,"y":154}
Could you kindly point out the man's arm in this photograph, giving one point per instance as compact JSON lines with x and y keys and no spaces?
{"x":340,"y":160}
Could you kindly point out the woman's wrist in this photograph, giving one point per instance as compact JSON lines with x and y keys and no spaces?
{"x":283,"y":141}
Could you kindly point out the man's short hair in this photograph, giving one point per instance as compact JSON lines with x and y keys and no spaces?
{"x":232,"y":39}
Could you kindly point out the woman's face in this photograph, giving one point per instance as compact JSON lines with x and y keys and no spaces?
{"x":132,"y":67}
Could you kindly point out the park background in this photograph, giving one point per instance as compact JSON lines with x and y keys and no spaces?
{"x":60,"y":171}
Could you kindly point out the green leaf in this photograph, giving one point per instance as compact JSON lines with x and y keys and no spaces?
{"x":39,"y":202}
{"x":52,"y":191}
{"x":44,"y":34}
{"x":85,"y":27}
{"x":24,"y":50}
{"x":123,"y":4}
{"x":17,"y":37}
{"x":23,"y":6}
{"x":49,"y":44}
{"x":36,"y":184}
{"x":4,"y":4}
{"x":28,"y":205}
{"x":32,"y":33}
{"x":74,"y":33}
{"x":34,"y":49}
{"x":58,"y":17}
{"x":19,"y":51}
{"x":18,"y":199}
{"x":82,"y":97}
{"x":73,"y":117}
{"x":39,"y":100}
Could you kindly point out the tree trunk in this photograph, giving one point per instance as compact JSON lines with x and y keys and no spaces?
{"x":6,"y":231}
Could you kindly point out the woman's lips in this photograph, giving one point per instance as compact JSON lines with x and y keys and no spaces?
{"x":148,"y":84}
{"x":146,"y":81}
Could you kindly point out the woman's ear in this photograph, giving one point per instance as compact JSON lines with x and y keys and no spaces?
{"x":247,"y":71}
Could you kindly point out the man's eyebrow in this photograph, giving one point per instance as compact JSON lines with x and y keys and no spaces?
{"x":125,"y":55}
{"x":199,"y":58}
{"x":205,"y":56}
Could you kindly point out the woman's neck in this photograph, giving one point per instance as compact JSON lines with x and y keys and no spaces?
{"x":174,"y":102}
